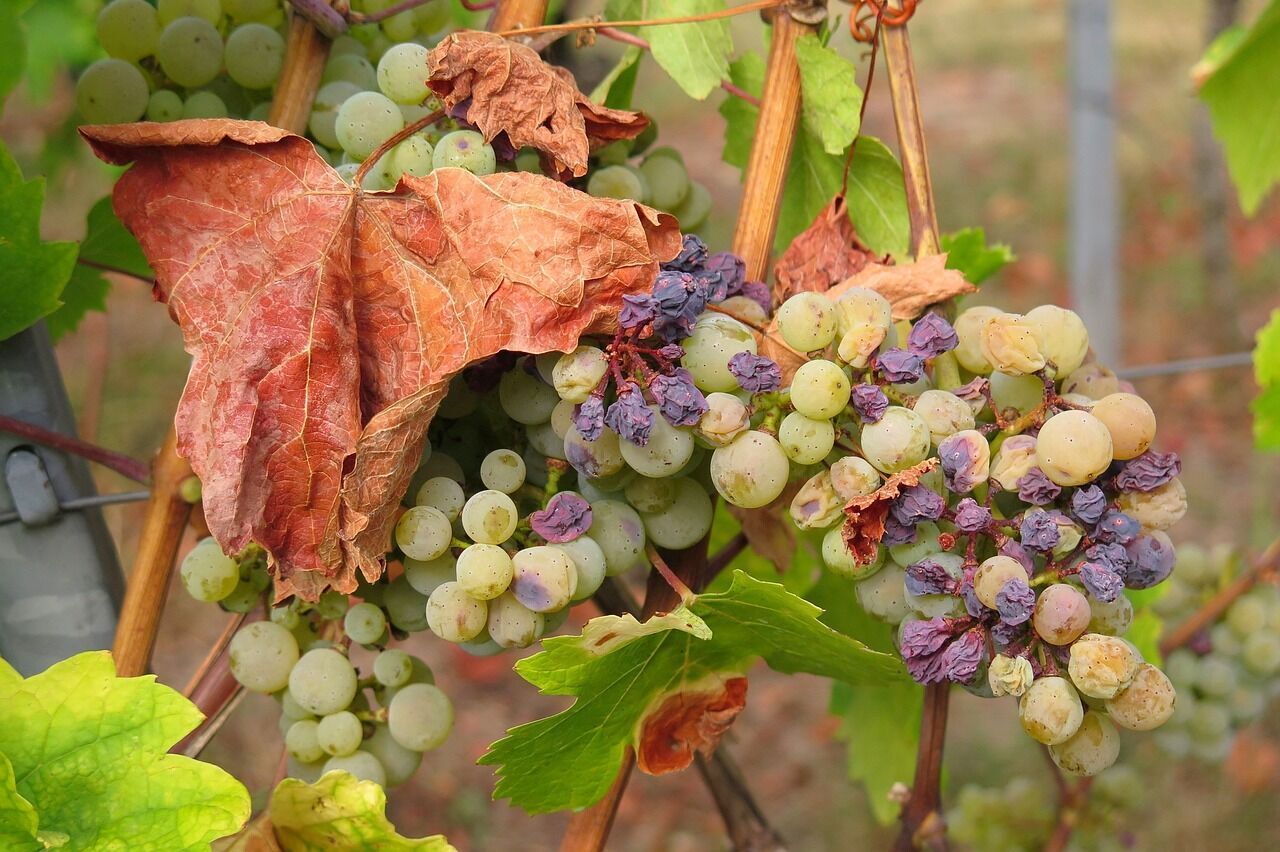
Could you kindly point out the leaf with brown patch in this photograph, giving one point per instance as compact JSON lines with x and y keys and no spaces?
{"x":505,"y":87}
{"x":325,"y":322}
{"x":769,"y":533}
{"x":688,"y":721}
{"x":822,"y":255}
{"x":864,"y":516}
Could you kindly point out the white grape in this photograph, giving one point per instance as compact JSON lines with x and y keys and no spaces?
{"x":512,"y":624}
{"x":128,"y":29}
{"x":398,"y":762}
{"x":190,"y":52}
{"x":716,"y":338}
{"x":207,"y":573}
{"x":545,"y":578}
{"x":898,"y":440}
{"x":413,"y":156}
{"x":361,"y":764}
{"x":339,"y":733}
{"x":752,"y":471}
{"x":254,"y":55}
{"x":484,"y":571}
{"x":526,"y":399}
{"x":453,"y":615}
{"x":365,"y":121}
{"x":804,"y":439}
{"x":261,"y":656}
{"x":489,"y":517}
{"x":364,"y":623}
{"x":111,"y":91}
{"x":420,"y":717}
{"x":619,"y":531}
{"x":392,"y":667}
{"x":424,"y":533}
{"x":323,"y":681}
{"x":576,"y":374}
{"x":668,"y":450}
{"x":589,"y":561}
{"x":301,"y":742}
{"x":503,"y":470}
{"x":402,"y":73}
{"x":685,"y":521}
{"x":1073,"y":447}
{"x":443,"y":494}
{"x":807,"y":321}
{"x":820,"y":389}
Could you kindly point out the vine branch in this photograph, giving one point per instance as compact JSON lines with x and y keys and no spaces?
{"x":595,"y":23}
{"x":119,"y":462}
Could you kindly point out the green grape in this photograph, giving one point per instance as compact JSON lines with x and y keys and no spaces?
{"x":991,"y":576}
{"x":256,"y":10}
{"x":484,"y":571}
{"x":503,"y":470}
{"x":401,"y":26}
{"x":668,"y":450}
{"x":1093,"y":748}
{"x":128,"y":29}
{"x":528,"y":160}
{"x":442,"y":494}
{"x":511,"y":624}
{"x":420,"y":717}
{"x":420,"y":672}
{"x":614,"y":154}
{"x":207,"y":574}
{"x":433,"y":17}
{"x":323,"y":681}
{"x":190,"y":52}
{"x":1209,"y":721}
{"x":392,"y":667}
{"x":443,"y":464}
{"x":262,"y":112}
{"x":1216,"y":675}
{"x":695,"y":209}
{"x":898,"y":440}
{"x":616,"y":182}
{"x":924,"y":544}
{"x":489,"y":517}
{"x":1061,"y":336}
{"x":841,"y":561}
{"x":545,"y":578}
{"x":1050,"y":710}
{"x":820,"y":389}
{"x":364,"y":121}
{"x":414,"y":156}
{"x":345,"y":44}
{"x":752,"y":471}
{"x":339,"y":733}
{"x":171,"y":10}
{"x":524,"y":398}
{"x":854,"y":477}
{"x":465,"y":149}
{"x":668,"y":181}
{"x":242,"y":599}
{"x":426,"y":577}
{"x":254,"y":55}
{"x":1073,"y":447}
{"x":595,"y":459}
{"x":576,"y":374}
{"x":261,"y":656}
{"x":111,"y":91}
{"x":402,"y":73}
{"x":1111,"y":619}
{"x":453,"y":615}
{"x":685,"y":521}
{"x":361,"y":764}
{"x":286,"y":616}
{"x":324,"y":111}
{"x":805,"y":440}
{"x":164,"y":105}
{"x":399,"y":762}
{"x":1247,"y":616}
{"x":204,"y":104}
{"x":619,"y":531}
{"x":1246,"y":704}
{"x":406,"y":606}
{"x":332,"y":605}
{"x":1261,"y":654}
{"x":807,"y":321}
{"x":424,"y":533}
{"x":364,"y":623}
{"x":944,"y":414}
{"x":544,"y":440}
{"x":351,"y":68}
{"x":884,"y":594}
{"x":589,"y":561}
{"x":302,"y":742}
{"x":648,"y":495}
{"x":716,"y":338}
{"x":562,"y":418}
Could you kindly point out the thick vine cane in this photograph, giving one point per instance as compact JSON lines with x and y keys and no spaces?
{"x":167,"y":512}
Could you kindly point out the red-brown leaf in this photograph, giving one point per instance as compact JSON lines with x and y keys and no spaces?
{"x":325,"y":323}
{"x":864,"y":516}
{"x":513,"y":91}
{"x":822,"y":255}
{"x":910,"y":287}
{"x":691,"y":720}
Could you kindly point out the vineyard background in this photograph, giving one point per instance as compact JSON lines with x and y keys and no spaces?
{"x":994,"y":96}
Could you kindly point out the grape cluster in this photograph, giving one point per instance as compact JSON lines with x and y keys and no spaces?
{"x":1227,"y":675}
{"x":657,"y":177}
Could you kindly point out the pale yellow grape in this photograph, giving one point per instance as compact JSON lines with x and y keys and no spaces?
{"x":805,"y":440}
{"x":190,"y":52}
{"x":944,"y":413}
{"x":562,"y":418}
{"x":503,"y":470}
{"x":668,"y":181}
{"x":364,"y":623}
{"x":807,"y":321}
{"x":207,"y":573}
{"x":685,"y":521}
{"x":668,"y":450}
{"x":171,"y":10}
{"x":589,"y":561}
{"x":1014,"y":460}
{"x":324,"y":110}
{"x":1050,"y":710}
{"x":746,"y":309}
{"x":164,"y":105}
{"x":489,"y":517}
{"x":859,"y":343}
{"x":484,"y":571}
{"x":365,"y":121}
{"x":896,"y":441}
{"x":1092,"y":380}
{"x":752,"y":471}
{"x":443,"y":494}
{"x":1073,"y":448}
{"x":576,"y":374}
{"x":392,"y":667}
{"x":1147,"y":703}
{"x":261,"y":655}
{"x":816,"y":505}
{"x":1093,"y":748}
{"x":424,"y":533}
{"x":820,"y":389}
{"x":1009,"y":343}
{"x":526,"y":399}
{"x":420,"y":717}
{"x":512,"y":624}
{"x":715,"y":340}
{"x":647,"y":495}
{"x":128,"y":29}
{"x":339,"y":733}
{"x":1111,"y":619}
{"x":544,"y":440}
{"x":968,"y":328}
{"x":727,"y":417}
{"x":323,"y":681}
{"x":1062,"y":338}
{"x":852,"y":477}
{"x":255,"y":10}
{"x":111,"y":91}
{"x":1102,"y":666}
{"x":360,"y":764}
{"x":618,"y":181}
{"x":991,"y":576}
{"x":402,"y":73}
{"x":619,"y":531}
{"x":1158,"y":509}
{"x":453,"y":615}
{"x":860,"y":305}
{"x":254,"y":56}
{"x":695,"y":209}
{"x":1130,"y":421}
{"x":465,"y":149}
{"x":301,"y":741}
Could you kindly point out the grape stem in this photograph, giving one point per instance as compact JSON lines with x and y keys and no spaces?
{"x":594,"y":23}
{"x":408,"y":130}
{"x":922,"y":825}
{"x":1213,"y":608}
{"x":685,"y":594}
{"x":119,"y":462}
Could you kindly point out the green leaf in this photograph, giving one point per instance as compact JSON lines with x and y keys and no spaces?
{"x":1266,"y":371}
{"x":339,"y":812}
{"x":880,"y":724}
{"x":695,"y":55}
{"x":967,"y":251}
{"x":19,"y":824}
{"x":106,"y":243}
{"x":1266,"y":419}
{"x":1245,"y":108}
{"x":617,"y":87}
{"x":32,"y":273}
{"x":1144,"y":633}
{"x":88,"y":750}
{"x":1266,"y":353}
{"x":13,"y":50}
{"x":740,"y":116}
{"x":829,"y":95}
{"x":569,"y":760}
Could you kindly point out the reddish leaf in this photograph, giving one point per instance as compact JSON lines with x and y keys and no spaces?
{"x":864,"y":516}
{"x":821,"y":256}
{"x":691,"y":720}
{"x":325,"y":323}
{"x":511,"y":90}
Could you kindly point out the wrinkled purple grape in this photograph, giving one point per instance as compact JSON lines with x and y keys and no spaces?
{"x":693,"y":253}
{"x":961,"y":659}
{"x":927,"y":577}
{"x":1036,"y":488}
{"x":971,"y":516}
{"x":1015,"y":601}
{"x":588,"y":418}
{"x":679,"y":298}
{"x":931,"y":336}
{"x":1149,"y":471}
{"x":922,"y":645}
{"x":1112,"y":555}
{"x":1006,"y":635}
{"x":758,"y":292}
{"x":725,"y":274}
{"x":1101,"y":581}
{"x":680,"y":403}
{"x":1151,"y":562}
{"x":566,"y":517}
{"x":870,"y":402}
{"x":755,"y":373}
{"x":1118,"y":527}
{"x":1039,"y":531}
{"x":629,"y":416}
{"x":916,"y":503}
{"x":965,"y":465}
{"x":896,"y":532}
{"x":898,"y":366}
{"x":637,"y":310}
{"x":970,"y":597}
{"x":1088,"y":504}
{"x":671,"y":351}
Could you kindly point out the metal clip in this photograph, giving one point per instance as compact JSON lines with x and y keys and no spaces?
{"x":30,"y":487}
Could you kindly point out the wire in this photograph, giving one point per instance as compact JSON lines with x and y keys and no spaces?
{"x":1187,"y":365}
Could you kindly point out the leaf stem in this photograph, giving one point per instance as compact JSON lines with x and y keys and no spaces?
{"x":677,"y":585}
{"x":119,"y":462}
{"x":116,"y":270}
{"x":405,"y":133}
{"x":1213,"y":608}
{"x":594,"y":24}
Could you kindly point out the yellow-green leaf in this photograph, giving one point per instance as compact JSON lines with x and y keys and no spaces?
{"x":829,"y":95}
{"x":339,"y":812}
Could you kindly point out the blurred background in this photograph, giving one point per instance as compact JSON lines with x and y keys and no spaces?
{"x":1197,"y":279}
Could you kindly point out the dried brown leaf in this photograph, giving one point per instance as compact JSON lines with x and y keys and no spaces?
{"x":688,"y":721}
{"x":864,"y":516}
{"x":768,"y":531}
{"x":822,"y":255}
{"x":325,"y":322}
{"x":910,"y":287}
{"x":511,"y":90}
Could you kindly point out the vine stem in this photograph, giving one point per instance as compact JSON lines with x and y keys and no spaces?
{"x":403,"y":134}
{"x":119,"y":462}
{"x":1213,"y":608}
{"x":591,"y":24}
{"x":115,"y":270}
{"x":922,"y":824}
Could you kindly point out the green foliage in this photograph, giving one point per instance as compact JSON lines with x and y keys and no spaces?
{"x":88,"y":751}
{"x":830,"y":97}
{"x":617,"y":668}
{"x":695,"y":55}
{"x":1244,"y":103}
{"x":881,"y":723}
{"x":19,"y":825}
{"x":617,"y":87}
{"x":13,"y":48}
{"x":339,"y":812}
{"x":968,"y":252}
{"x":106,"y":242}
{"x":1266,"y":371}
{"x":59,"y":34}
{"x":877,"y":197}
{"x":33,"y":273}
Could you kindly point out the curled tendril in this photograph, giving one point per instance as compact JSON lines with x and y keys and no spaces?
{"x":862,"y":22}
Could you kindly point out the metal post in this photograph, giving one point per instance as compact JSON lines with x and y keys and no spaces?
{"x":1094,"y":219}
